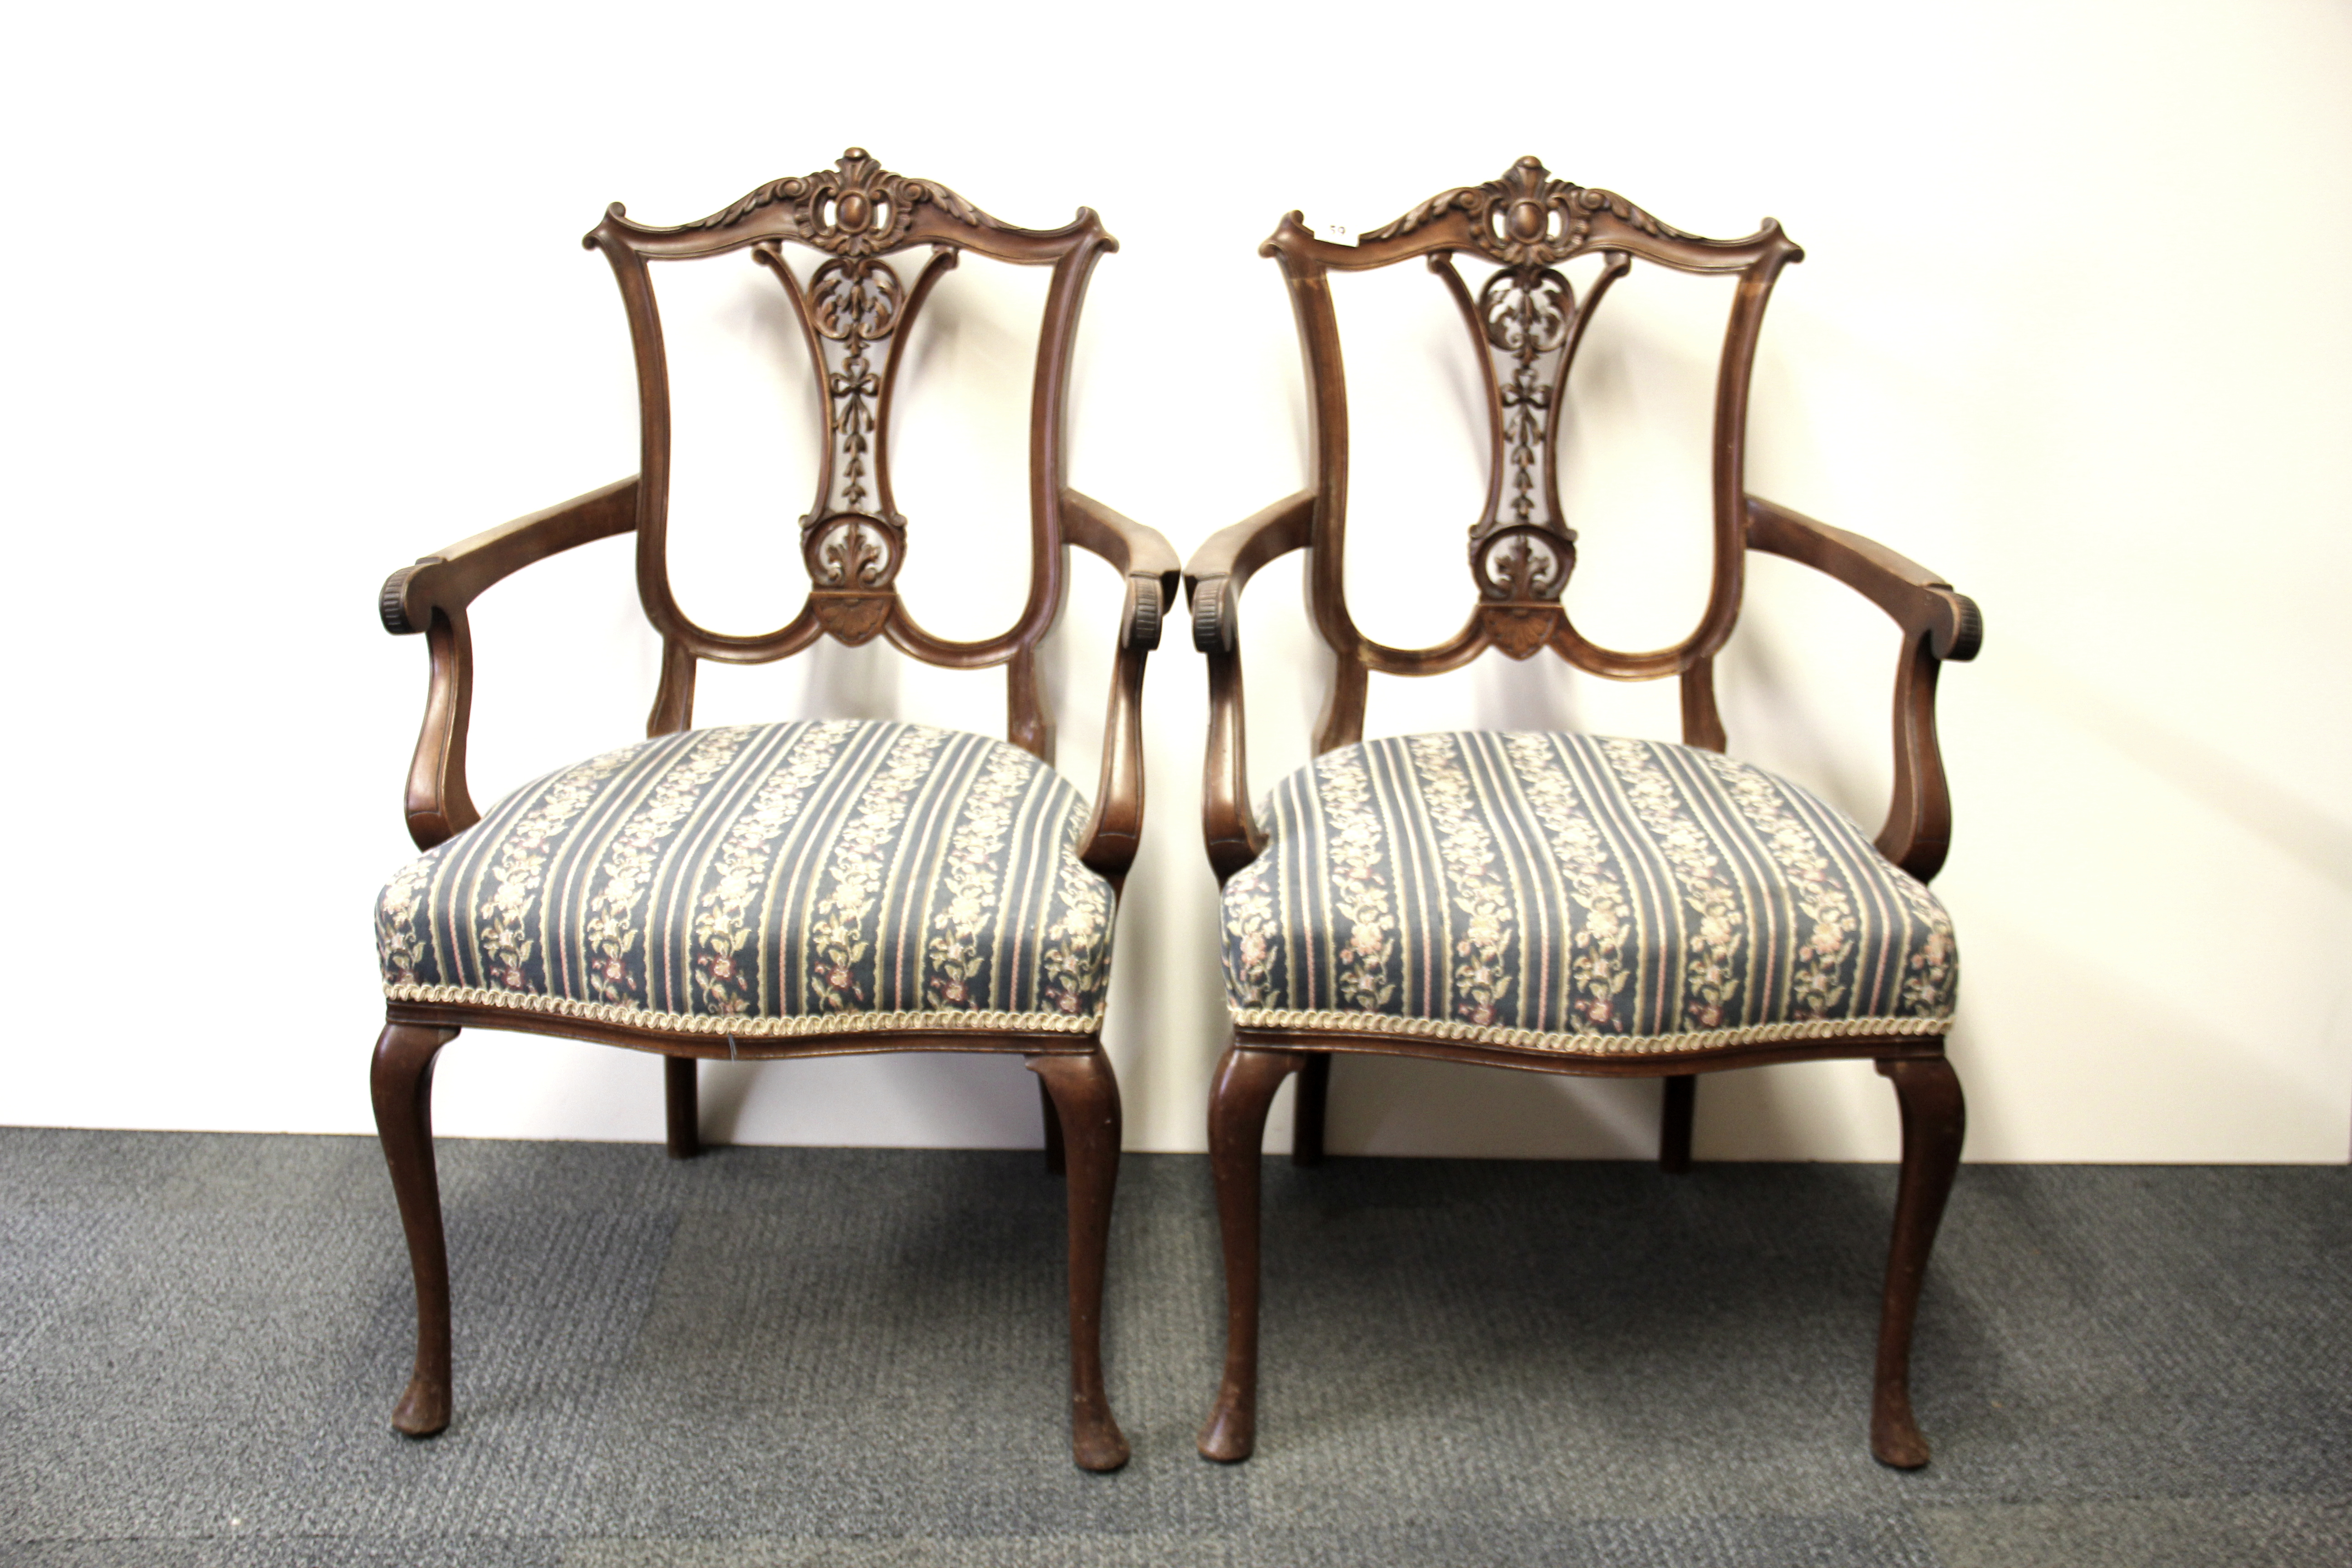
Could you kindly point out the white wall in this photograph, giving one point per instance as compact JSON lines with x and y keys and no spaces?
{"x":297,"y":297}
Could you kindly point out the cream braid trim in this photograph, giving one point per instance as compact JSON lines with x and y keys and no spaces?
{"x":1593,"y":1045}
{"x":745,"y":1027}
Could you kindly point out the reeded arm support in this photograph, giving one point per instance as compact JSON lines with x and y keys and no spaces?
{"x":432,"y":595}
{"x":1115,"y":832}
{"x":1214,"y":578}
{"x":1938,"y":625}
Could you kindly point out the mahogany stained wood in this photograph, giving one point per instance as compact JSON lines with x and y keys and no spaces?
{"x":881,"y":242}
{"x":681,"y":1098}
{"x":1525,"y":322}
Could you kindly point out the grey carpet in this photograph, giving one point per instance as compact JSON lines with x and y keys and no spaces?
{"x":855,"y":1358}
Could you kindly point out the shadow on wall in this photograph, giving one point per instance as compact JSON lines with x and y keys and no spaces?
{"x":1399,"y":1106}
{"x":2231,"y":785}
{"x":920,"y":1100}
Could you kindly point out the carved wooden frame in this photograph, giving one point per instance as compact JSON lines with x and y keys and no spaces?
{"x":1528,"y":223}
{"x":857,"y":214}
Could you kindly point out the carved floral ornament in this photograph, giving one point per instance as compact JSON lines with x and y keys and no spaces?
{"x":1526,"y":218}
{"x":855,"y":208}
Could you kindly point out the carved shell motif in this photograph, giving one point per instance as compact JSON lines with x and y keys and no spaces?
{"x":855,"y":208}
{"x":1526,"y":218}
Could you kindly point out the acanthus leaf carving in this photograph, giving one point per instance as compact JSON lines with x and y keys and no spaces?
{"x":1461,"y":196}
{"x":855,"y":208}
{"x":850,"y":553}
{"x":1526,"y":218}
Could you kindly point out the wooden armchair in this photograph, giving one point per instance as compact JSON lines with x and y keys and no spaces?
{"x":1554,"y":902}
{"x":794,"y":890}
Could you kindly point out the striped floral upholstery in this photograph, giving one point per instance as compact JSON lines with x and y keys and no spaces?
{"x":1574,"y":894}
{"x":768,"y":879}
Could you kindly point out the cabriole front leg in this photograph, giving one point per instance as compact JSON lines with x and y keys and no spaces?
{"x":401,"y":1082}
{"x":1085,"y":1101}
{"x":1246,"y":1081}
{"x":1934,"y":1119}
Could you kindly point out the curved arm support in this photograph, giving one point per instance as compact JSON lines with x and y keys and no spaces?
{"x":1133,"y":550}
{"x":1115,"y":832}
{"x":1938,"y":625}
{"x":1214,"y":578}
{"x":431,"y":596}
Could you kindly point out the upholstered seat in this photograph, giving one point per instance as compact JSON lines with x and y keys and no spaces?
{"x":1556,"y":892}
{"x":764,"y":881}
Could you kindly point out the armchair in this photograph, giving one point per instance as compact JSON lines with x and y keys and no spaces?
{"x":1552,"y":903}
{"x":791,"y":889}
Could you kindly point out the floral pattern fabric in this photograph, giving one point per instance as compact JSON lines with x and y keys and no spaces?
{"x":1575,"y":893}
{"x":768,"y":879}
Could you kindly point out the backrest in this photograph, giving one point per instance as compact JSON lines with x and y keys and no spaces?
{"x":1525,"y":322}
{"x":856,"y":310}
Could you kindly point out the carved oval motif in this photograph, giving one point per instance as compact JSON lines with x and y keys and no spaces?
{"x":1527,"y":220}
{"x":859,"y":209}
{"x":855,"y":299}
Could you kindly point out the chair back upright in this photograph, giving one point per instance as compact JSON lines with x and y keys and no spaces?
{"x":870,"y":228}
{"x":1525,"y":322}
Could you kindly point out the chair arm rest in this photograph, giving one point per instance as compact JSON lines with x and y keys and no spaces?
{"x":1917,"y":599}
{"x":448,"y":580}
{"x":431,"y":597}
{"x":1215,"y":576}
{"x":1938,"y":625}
{"x":1133,"y":548}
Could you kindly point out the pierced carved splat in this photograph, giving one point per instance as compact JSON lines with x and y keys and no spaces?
{"x":1521,"y":553}
{"x":855,"y":305}
{"x":1527,"y":321}
{"x":853,"y":539}
{"x":855,"y":309}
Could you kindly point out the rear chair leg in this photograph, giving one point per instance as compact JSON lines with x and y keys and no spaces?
{"x":1057,"y":1159}
{"x":401,"y":1082}
{"x":1674,"y":1123}
{"x":680,"y":1076}
{"x":1084,"y":1095}
{"x":1934,"y":1119}
{"x":1314,"y":1094}
{"x":1246,"y":1081}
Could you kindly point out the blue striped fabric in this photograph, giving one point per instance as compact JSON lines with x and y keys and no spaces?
{"x":768,"y":879}
{"x":1575,"y":893}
